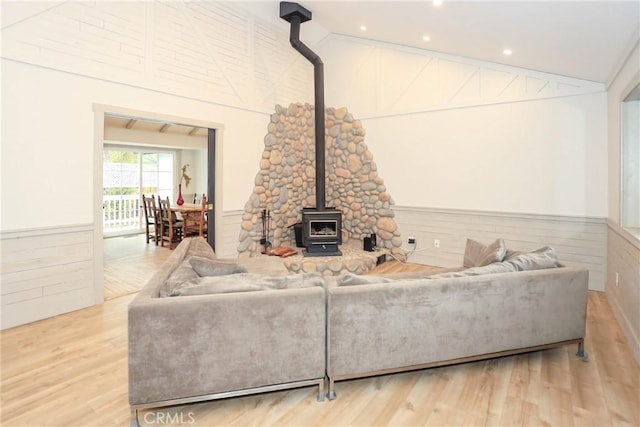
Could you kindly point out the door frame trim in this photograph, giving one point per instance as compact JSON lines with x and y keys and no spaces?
{"x":100,"y":110}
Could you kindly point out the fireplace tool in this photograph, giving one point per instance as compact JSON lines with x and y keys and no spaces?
{"x":266,"y":225}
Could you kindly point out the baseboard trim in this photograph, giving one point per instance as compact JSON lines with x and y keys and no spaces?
{"x":625,"y":325}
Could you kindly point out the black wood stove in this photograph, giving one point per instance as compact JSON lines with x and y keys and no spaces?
{"x":321,"y":231}
{"x":322,"y":226}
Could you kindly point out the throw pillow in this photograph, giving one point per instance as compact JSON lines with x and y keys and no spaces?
{"x":477,"y":254}
{"x":544,"y":257}
{"x":511,"y":254}
{"x":208,"y":267}
{"x":183,"y":273}
{"x":200,"y":247}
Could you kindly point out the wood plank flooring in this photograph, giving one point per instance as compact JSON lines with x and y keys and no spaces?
{"x":71,"y":370}
{"x":129,"y":262}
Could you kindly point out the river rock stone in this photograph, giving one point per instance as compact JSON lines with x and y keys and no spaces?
{"x":286,"y":182}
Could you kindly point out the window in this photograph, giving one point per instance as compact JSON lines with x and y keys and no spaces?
{"x":630,"y":163}
{"x":157,"y":174}
{"x":127,"y":174}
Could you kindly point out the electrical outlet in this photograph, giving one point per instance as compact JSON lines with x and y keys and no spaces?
{"x":617,"y":279}
{"x":411,"y":240}
{"x":436,"y":243}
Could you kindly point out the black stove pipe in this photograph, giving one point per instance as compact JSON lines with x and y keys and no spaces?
{"x":295,"y":15}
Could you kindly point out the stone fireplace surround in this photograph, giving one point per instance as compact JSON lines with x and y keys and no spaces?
{"x":285,"y":182}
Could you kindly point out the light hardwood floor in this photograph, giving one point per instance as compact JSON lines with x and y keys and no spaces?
{"x":127,"y":263}
{"x":71,"y":370}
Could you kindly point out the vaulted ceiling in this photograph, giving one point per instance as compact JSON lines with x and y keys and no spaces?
{"x":586,"y":39}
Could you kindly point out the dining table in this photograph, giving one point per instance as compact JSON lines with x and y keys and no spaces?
{"x":189,"y":212}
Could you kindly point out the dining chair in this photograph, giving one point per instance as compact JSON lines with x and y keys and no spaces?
{"x":196,"y":224}
{"x":171,"y":228}
{"x":152,"y":222}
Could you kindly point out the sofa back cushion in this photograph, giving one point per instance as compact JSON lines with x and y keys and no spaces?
{"x":539,"y":259}
{"x":477,"y":254}
{"x":213,"y":267}
{"x":246,"y":282}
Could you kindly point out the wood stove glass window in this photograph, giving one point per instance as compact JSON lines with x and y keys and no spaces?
{"x":323,"y":228}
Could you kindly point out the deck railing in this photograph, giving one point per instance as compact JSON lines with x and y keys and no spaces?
{"x":121,"y":212}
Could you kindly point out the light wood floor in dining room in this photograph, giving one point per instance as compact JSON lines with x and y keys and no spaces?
{"x":71,"y":370}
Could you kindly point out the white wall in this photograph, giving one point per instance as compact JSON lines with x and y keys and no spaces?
{"x":543,"y":156}
{"x":460,"y":134}
{"x":60,"y":60}
{"x":48,"y":142}
{"x":197,"y":160}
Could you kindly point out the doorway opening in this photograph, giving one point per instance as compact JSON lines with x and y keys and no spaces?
{"x":146,"y":153}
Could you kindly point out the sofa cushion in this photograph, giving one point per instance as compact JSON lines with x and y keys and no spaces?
{"x":350,"y":279}
{"x":246,"y":282}
{"x":477,"y":254}
{"x":295,"y":281}
{"x":496,"y":267}
{"x":541,"y":258}
{"x":216,"y":285}
{"x":212,"y":267}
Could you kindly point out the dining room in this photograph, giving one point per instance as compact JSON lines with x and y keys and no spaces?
{"x":150,"y":167}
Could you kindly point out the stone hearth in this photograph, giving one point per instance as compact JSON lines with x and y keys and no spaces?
{"x":352,"y":260}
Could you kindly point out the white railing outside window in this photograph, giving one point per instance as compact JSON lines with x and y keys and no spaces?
{"x":121,"y":212}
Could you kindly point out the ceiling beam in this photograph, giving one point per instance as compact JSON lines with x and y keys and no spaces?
{"x":164,"y":127}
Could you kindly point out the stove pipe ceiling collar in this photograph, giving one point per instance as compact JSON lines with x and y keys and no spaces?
{"x":295,"y":14}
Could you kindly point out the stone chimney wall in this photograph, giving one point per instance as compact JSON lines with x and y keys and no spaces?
{"x":286,"y":181}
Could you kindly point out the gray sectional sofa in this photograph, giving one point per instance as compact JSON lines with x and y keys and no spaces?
{"x":230,"y":329}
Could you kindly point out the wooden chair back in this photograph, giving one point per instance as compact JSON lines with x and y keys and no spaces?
{"x":171,"y":229}
{"x":151,"y":218}
{"x":195,"y":223}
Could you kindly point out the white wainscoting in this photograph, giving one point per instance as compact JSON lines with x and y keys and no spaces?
{"x":231,"y":221}
{"x":45,"y":272}
{"x":623,"y":257}
{"x":577,"y":240}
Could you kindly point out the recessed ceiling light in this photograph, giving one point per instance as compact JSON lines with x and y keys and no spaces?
{"x":426,"y":38}
{"x":507,"y":52}
{"x":363,"y":28}
{"x":437,"y":3}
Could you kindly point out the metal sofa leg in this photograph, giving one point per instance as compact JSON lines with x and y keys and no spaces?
{"x":321,"y":391}
{"x":134,"y":418}
{"x":582,"y":352}
{"x":332,"y":392}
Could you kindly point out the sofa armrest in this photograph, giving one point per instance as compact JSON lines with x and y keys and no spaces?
{"x":197,"y":345}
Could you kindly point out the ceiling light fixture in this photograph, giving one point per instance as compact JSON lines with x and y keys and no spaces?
{"x":426,"y":38}
{"x":507,"y":52}
{"x":363,"y":28}
{"x":437,"y":3}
